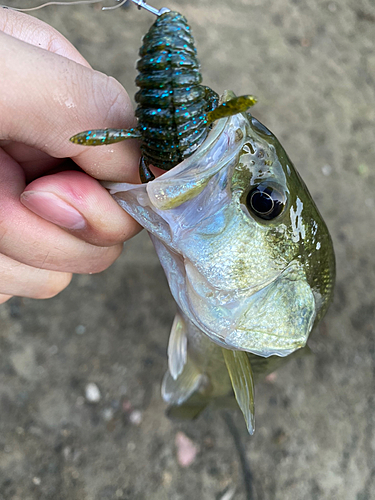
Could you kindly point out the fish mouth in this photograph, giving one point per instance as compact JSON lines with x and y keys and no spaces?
{"x":272,"y":319}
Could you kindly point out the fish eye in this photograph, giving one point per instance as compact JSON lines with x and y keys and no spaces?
{"x":266,"y":201}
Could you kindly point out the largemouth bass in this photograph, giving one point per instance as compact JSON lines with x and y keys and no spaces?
{"x":247,"y":256}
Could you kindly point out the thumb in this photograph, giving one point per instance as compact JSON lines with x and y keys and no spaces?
{"x":80,"y":205}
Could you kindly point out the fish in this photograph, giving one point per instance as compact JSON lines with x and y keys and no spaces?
{"x":247,"y":255}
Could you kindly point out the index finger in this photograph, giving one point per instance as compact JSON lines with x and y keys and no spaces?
{"x":47,"y":98}
{"x":31,"y":30}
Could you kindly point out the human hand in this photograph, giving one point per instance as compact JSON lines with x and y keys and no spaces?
{"x":56,"y":218}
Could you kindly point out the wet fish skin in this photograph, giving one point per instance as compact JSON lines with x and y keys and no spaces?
{"x":246,"y":283}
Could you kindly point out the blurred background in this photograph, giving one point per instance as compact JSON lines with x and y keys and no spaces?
{"x":81,"y":416}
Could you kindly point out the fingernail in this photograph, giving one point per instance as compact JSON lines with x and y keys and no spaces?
{"x":52,"y":208}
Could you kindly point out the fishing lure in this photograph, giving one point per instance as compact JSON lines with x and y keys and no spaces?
{"x":175,"y":112}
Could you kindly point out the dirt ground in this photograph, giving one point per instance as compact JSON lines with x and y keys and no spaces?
{"x":311,"y":64}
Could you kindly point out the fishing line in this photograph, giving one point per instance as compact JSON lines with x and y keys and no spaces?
{"x":115,"y":6}
{"x":245,"y":466}
{"x":73,"y":2}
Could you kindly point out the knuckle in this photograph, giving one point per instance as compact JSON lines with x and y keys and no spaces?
{"x":110,"y":95}
{"x":56,"y":284}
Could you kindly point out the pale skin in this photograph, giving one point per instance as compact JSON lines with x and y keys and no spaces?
{"x":56,"y":219}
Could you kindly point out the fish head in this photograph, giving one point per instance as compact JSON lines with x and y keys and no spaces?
{"x":248,"y":257}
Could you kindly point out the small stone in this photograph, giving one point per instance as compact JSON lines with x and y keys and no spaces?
{"x":280,"y":437}
{"x":53,"y":350}
{"x":35,"y":431}
{"x":115,"y":404}
{"x":123,"y":389}
{"x":327,"y":170}
{"x":136,"y":417}
{"x":20,"y":431}
{"x":41,"y":370}
{"x":167,"y":479}
{"x":208,"y":442}
{"x":271,"y":378}
{"x":332,"y":7}
{"x":37,"y":480}
{"x":119,"y":493}
{"x":186,"y":450}
{"x":80,"y":401}
{"x":363,"y":170}
{"x":131,"y":446}
{"x":80,"y":329}
{"x":92,"y":393}
{"x":108,"y":414}
{"x":126,"y":406}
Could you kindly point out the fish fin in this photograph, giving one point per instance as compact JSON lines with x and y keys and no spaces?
{"x":189,"y":410}
{"x":177,"y":347}
{"x":177,"y":391}
{"x":241,"y":375}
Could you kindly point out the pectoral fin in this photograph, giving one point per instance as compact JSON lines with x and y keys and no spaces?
{"x":177,"y":347}
{"x":241,"y":375}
